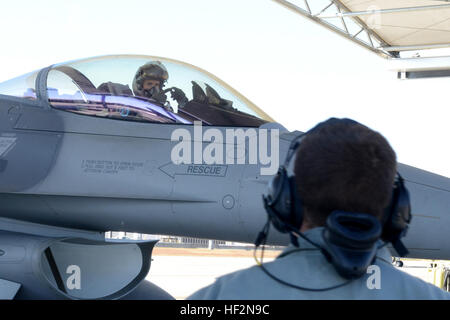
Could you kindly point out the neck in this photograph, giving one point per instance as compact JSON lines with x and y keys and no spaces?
{"x":307,"y":225}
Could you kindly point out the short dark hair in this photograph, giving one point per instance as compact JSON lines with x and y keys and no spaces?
{"x":343,"y":165}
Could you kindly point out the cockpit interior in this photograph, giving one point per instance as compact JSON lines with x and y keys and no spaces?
{"x":106,"y":87}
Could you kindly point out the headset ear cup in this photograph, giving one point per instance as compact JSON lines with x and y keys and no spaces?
{"x":276,"y":221}
{"x":397,"y":215}
{"x":281,"y":201}
{"x":402,"y":214}
{"x":296,"y":216}
{"x":278,"y":201}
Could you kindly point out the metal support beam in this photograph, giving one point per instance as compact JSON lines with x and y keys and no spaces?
{"x":360,"y":22}
{"x":341,"y":31}
{"x":324,"y":9}
{"x":381,"y":11}
{"x":418,"y":47}
{"x":343,"y":22}
{"x":307,"y":5}
{"x":357,"y":34}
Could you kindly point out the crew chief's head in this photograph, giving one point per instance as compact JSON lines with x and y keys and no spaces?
{"x":343,"y":165}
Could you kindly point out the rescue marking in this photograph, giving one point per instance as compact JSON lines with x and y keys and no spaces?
{"x":214,"y":170}
{"x":238,"y":146}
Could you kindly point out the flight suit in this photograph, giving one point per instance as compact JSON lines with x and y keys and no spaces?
{"x":309,"y":268}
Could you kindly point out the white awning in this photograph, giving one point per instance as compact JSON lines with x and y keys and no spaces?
{"x":387,"y":26}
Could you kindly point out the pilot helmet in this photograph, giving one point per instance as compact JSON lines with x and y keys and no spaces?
{"x":153,"y":70}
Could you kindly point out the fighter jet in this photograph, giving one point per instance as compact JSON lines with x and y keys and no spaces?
{"x":142,"y":144}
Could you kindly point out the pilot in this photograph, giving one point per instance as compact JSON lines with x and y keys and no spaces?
{"x":340,"y":167}
{"x":150,"y":80}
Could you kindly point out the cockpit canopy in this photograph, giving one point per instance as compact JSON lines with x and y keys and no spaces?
{"x":106,"y":87}
{"x":21,"y":87}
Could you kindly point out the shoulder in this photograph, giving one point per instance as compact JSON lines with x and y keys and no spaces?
{"x":401,"y":285}
{"x":315,"y":272}
{"x":243,"y":284}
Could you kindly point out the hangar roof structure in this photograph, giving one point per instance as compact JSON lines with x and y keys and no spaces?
{"x":385,"y":27}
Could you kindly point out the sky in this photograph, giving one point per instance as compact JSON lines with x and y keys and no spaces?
{"x":296,"y":71}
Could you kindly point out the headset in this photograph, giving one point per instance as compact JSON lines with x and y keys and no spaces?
{"x":350,"y":238}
